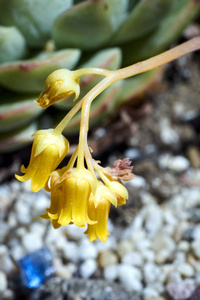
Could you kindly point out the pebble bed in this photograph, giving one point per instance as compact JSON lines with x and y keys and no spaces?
{"x":154,"y":252}
{"x":157,"y":253}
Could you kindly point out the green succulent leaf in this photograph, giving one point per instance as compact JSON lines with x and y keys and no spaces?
{"x":145,"y":16}
{"x":108,"y":58}
{"x":17,"y":139}
{"x":136,"y":87}
{"x":12,"y":44}
{"x":181,"y":13}
{"x":16,"y":111}
{"x":90,"y":24}
{"x":29,"y":76}
{"x":33,"y":18}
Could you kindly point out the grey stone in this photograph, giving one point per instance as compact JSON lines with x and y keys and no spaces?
{"x":81,"y":289}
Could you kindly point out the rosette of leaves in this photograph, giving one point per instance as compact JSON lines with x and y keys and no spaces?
{"x":38,"y":37}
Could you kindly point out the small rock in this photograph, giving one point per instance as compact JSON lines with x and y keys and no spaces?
{"x":185,"y":269}
{"x":71,"y":252}
{"x":87,"y":250}
{"x":175,"y":163}
{"x":194,"y":156}
{"x":133,"y":258}
{"x":124,"y":246}
{"x":148,"y":255}
{"x":3,"y":282}
{"x":107,"y":258}
{"x":130,"y":277}
{"x":196,"y":294}
{"x":183,"y":246}
{"x":149,"y":293}
{"x":174,"y":277}
{"x":196,"y":248}
{"x":151,"y":272}
{"x":88,"y":268}
{"x":111,"y":272}
{"x":6,"y":264}
{"x":180,"y":290}
{"x":32,"y":242}
{"x":138,"y":182}
{"x":196,"y":232}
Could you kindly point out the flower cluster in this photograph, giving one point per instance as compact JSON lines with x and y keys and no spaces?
{"x":77,"y":196}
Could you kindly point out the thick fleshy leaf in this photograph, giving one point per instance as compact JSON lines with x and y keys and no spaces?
{"x":136,"y":87}
{"x":90,"y":24}
{"x":29,"y":76}
{"x":101,"y":107}
{"x":16,"y":111}
{"x":181,"y":13}
{"x":12,"y":44}
{"x":108,"y":59}
{"x":33,"y":18}
{"x":144,"y":17}
{"x":17,"y":138}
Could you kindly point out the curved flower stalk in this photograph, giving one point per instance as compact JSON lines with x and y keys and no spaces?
{"x":77,"y":196}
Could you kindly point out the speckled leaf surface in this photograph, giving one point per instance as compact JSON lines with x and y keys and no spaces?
{"x":90,"y":24}
{"x":30,"y":75}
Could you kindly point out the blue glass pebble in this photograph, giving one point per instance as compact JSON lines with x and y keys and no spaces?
{"x":36,"y":267}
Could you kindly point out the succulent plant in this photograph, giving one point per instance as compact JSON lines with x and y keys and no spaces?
{"x":38,"y":37}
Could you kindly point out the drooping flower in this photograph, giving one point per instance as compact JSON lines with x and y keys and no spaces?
{"x":70,"y":195}
{"x":49,"y":149}
{"x":99,"y":208}
{"x":59,"y":84}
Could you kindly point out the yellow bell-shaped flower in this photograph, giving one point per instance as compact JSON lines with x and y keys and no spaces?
{"x":59,"y":84}
{"x":70,"y":196}
{"x":49,"y":149}
{"x":100,"y":213}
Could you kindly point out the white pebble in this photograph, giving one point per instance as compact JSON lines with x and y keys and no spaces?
{"x":87,"y":250}
{"x":148,"y":255}
{"x":174,"y":277}
{"x":87,"y":268}
{"x":74,"y":232}
{"x":151,"y":272}
{"x":38,"y":227}
{"x":130,"y":277}
{"x":175,"y":163}
{"x":3,"y":282}
{"x":196,"y":232}
{"x":6,"y":264}
{"x":185,"y":269}
{"x":71,"y":252}
{"x":183,"y":246}
{"x":41,"y":203}
{"x":133,"y":258}
{"x":138,"y":182}
{"x":153,"y":219}
{"x":23,"y":212}
{"x":124,"y":246}
{"x":196,"y":248}
{"x":149,"y":293}
{"x":32,"y":242}
{"x":111,"y":272}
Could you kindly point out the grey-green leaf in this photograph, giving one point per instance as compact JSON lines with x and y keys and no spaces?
{"x":33,"y":18}
{"x":90,"y":24}
{"x":146,"y":16}
{"x":181,"y":13}
{"x":17,"y":138}
{"x":29,"y":76}
{"x":16,"y":111}
{"x":12,"y":44}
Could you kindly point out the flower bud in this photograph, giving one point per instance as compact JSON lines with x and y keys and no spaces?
{"x":59,"y":84}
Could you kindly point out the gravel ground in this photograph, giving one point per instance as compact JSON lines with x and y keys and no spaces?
{"x":153,"y":251}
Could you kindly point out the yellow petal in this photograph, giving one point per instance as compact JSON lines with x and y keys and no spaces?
{"x":83,"y":192}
